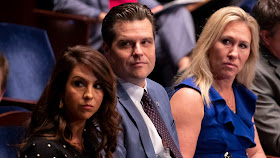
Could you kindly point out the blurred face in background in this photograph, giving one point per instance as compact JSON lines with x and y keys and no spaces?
{"x":272,"y":40}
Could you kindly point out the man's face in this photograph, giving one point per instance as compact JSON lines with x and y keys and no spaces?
{"x":132,"y":54}
{"x":272,"y":42}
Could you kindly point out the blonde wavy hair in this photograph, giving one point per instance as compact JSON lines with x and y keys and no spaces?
{"x":200,"y":67}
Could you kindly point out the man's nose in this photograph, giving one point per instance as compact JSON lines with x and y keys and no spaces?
{"x":138,"y":49}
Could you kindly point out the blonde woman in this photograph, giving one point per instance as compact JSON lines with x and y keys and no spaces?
{"x":212,"y":107}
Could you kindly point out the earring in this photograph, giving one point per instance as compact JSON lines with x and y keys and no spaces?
{"x":60,"y":104}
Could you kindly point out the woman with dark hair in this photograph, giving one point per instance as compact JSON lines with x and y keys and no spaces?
{"x":76,"y":115}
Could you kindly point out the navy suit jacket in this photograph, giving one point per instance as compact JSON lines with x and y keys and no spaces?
{"x":134,"y":141}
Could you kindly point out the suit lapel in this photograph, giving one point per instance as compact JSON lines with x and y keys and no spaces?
{"x":277,"y":71}
{"x":131,"y":109}
{"x":160,"y":104}
{"x":153,"y":95}
{"x":273,"y":61}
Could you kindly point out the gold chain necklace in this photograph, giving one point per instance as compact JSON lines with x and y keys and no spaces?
{"x":228,"y":101}
{"x":232,"y":108}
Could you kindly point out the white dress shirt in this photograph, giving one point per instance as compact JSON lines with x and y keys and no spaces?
{"x":135,"y":93}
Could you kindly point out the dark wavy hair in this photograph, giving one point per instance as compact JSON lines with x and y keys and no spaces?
{"x":50,"y":122}
{"x":267,"y":14}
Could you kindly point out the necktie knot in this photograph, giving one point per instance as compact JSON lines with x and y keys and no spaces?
{"x":146,"y":98}
{"x":147,"y":104}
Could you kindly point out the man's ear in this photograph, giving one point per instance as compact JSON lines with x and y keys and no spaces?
{"x":266,"y":37}
{"x":106,"y":50}
{"x":2,"y":93}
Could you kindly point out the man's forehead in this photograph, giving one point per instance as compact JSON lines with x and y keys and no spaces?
{"x":119,"y":23}
{"x":133,"y":28}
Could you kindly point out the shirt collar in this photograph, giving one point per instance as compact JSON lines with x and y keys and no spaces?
{"x":135,"y":92}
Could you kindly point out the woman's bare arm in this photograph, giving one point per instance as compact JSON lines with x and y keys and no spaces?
{"x":188,"y":111}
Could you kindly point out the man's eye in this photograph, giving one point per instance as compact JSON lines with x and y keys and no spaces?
{"x":125,"y":44}
{"x":145,"y":42}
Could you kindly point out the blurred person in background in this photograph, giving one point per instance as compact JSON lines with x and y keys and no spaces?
{"x":267,"y":81}
{"x":4,"y":72}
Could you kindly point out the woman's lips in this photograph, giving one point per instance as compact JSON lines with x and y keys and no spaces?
{"x":87,"y":106}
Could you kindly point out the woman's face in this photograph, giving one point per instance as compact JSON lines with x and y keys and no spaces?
{"x":83,"y":94}
{"x":229,"y":54}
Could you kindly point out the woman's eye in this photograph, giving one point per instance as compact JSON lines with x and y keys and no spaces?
{"x":78,"y":84}
{"x":243,"y":46}
{"x":225,"y":41}
{"x":97,"y":86}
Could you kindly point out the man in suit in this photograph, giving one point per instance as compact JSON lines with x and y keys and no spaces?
{"x":128,"y":31}
{"x":267,"y":80}
{"x":175,"y":32}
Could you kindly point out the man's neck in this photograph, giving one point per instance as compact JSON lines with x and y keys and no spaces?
{"x":138,"y":82}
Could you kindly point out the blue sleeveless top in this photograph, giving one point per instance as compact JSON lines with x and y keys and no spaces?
{"x":223,"y":132}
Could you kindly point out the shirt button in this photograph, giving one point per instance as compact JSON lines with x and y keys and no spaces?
{"x":227,"y":155}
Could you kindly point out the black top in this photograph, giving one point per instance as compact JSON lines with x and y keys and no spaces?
{"x":43,"y":148}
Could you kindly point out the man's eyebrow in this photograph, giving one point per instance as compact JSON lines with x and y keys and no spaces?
{"x":124,"y":40}
{"x":148,"y":38}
